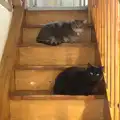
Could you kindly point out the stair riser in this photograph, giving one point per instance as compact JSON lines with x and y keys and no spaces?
{"x":61,"y":55}
{"x":57,"y":109}
{"x":43,"y":17}
{"x":36,"y":79}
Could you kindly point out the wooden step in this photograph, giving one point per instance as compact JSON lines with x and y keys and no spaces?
{"x":43,"y":17}
{"x":36,"y":79}
{"x":65,"y":54}
{"x":41,"y":79}
{"x":36,"y":95}
{"x":30,"y":34}
{"x":30,"y":94}
{"x":54,"y":107}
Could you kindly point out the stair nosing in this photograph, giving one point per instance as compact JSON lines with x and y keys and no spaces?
{"x":88,"y":44}
{"x":33,"y":96}
{"x":43,"y":67}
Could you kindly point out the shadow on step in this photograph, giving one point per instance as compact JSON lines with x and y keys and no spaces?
{"x":96,"y":110}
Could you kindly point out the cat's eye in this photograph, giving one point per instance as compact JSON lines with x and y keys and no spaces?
{"x":97,"y":74}
{"x":91,"y":73}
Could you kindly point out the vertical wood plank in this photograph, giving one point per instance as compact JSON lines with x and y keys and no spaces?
{"x":103,"y":33}
{"x":112,"y":56}
{"x":17,"y":2}
{"x":108,"y":55}
{"x":100,"y":24}
{"x":89,"y":11}
{"x":106,"y":42}
{"x":106,"y":25}
{"x":117,"y":60}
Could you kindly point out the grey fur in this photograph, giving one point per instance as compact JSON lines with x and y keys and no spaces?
{"x":56,"y":33}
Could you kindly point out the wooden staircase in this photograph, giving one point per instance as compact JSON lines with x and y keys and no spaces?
{"x":38,"y":65}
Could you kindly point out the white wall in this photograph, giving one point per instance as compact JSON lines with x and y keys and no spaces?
{"x":5,"y":20}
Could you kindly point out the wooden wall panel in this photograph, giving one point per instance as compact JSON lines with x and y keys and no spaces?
{"x":106,"y":43}
{"x":105,"y":14}
{"x":108,"y":50}
{"x":117,"y":60}
{"x":103,"y":32}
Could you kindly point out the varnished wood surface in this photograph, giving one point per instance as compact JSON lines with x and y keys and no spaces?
{"x":36,"y":79}
{"x":8,"y":61}
{"x":43,"y":17}
{"x":17,"y":3}
{"x":65,"y":54}
{"x":57,"y":109}
{"x":106,"y":21}
{"x":46,"y":95}
{"x":48,"y":67}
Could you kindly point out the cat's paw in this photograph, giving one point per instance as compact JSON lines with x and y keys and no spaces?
{"x":55,"y":42}
{"x":66,"y":40}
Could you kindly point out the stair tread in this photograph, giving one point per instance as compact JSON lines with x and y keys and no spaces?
{"x":39,"y":67}
{"x":36,"y":95}
{"x":29,"y":92}
{"x":88,"y":44}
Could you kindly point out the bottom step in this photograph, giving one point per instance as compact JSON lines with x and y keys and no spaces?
{"x":54,"y":107}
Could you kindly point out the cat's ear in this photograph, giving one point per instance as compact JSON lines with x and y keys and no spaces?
{"x":76,"y":21}
{"x":102,"y":68}
{"x":89,"y":65}
{"x":85,"y":21}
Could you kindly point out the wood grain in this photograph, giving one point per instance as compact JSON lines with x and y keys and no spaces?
{"x":37,"y":95}
{"x":57,"y":109}
{"x":106,"y":21}
{"x":42,"y":17}
{"x":66,"y":54}
{"x":30,"y":35}
{"x":17,"y":2}
{"x":35,"y":79}
{"x":8,"y":61}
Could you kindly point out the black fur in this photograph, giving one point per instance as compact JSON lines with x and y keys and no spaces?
{"x":75,"y":81}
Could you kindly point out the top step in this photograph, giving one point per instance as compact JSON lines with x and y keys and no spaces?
{"x":43,"y":17}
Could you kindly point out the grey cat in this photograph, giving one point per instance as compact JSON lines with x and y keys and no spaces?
{"x":56,"y":33}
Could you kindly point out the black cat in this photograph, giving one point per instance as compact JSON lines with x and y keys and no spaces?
{"x":75,"y":81}
{"x":56,"y":33}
